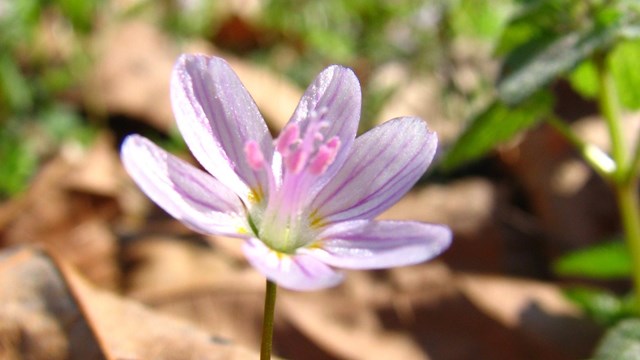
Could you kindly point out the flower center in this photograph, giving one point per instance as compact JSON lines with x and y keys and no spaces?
{"x":302,"y":155}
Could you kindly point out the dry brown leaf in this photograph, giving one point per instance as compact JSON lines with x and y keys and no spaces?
{"x":131,"y":331}
{"x":161,"y":266}
{"x":131,"y":74}
{"x":70,"y":222}
{"x":468,"y":207}
{"x":345,"y":330}
{"x":40,"y":320}
{"x":570,"y":206}
{"x":49,"y":312}
{"x":416,"y":96}
{"x":538,"y":310}
{"x":189,"y":280}
{"x":507,"y":298}
{"x":231,"y":310}
{"x":401,"y":313}
{"x":464,"y":205}
{"x":133,"y":70}
{"x":96,"y":171}
{"x":345,"y":322}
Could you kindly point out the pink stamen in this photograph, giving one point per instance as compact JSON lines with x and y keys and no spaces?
{"x":325,"y":156}
{"x":296,"y":161}
{"x":296,"y":148}
{"x":287,"y":138}
{"x":254,"y":155}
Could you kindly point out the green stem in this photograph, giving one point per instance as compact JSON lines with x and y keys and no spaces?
{"x":634,"y":165}
{"x":624,"y":182}
{"x":609,"y":107}
{"x":630,"y":212}
{"x":267,"y":324}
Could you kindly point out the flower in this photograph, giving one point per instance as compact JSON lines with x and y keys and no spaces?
{"x":303,"y":203}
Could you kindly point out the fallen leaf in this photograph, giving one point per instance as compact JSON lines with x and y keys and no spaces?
{"x":51,"y":312}
{"x":538,"y":310}
{"x":72,"y":223}
{"x":132,"y":75}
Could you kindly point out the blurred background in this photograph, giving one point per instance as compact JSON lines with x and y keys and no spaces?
{"x":92,"y":269}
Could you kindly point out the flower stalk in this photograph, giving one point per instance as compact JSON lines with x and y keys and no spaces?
{"x":267,"y":323}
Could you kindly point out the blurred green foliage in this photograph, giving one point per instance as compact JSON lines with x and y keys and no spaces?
{"x":497,"y":123}
{"x":342,"y":31}
{"x":605,"y":307}
{"x":621,"y":343}
{"x":607,"y":260}
{"x":575,"y":41}
{"x":361,"y":34}
{"x":38,"y":76}
{"x":34,"y":76}
{"x":366,"y":35}
{"x":549,"y":40}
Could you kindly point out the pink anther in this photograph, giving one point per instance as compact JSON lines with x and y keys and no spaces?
{"x":325,"y":156}
{"x":254,"y":155}
{"x":296,"y":161}
{"x":289,"y":136}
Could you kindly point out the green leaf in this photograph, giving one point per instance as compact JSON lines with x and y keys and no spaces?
{"x":18,"y":162}
{"x":584,"y":80}
{"x":626,"y":72}
{"x":536,"y":21}
{"x":542,"y":64}
{"x":80,"y":12}
{"x":14,"y":87}
{"x":602,"y":261}
{"x":496,"y":124}
{"x":622,"y":342}
{"x":479,"y":18}
{"x":602,"y":306}
{"x":18,"y":22}
{"x":61,"y":123}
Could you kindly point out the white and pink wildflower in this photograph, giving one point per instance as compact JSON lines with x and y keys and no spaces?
{"x":303,"y":203}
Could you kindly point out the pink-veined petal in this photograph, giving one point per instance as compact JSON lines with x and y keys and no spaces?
{"x":294,"y":272}
{"x":383,"y":165}
{"x":190,"y":195}
{"x":217,"y":117}
{"x":336,"y":92}
{"x":364,"y":244}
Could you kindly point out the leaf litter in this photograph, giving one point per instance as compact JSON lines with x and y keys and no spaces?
{"x":91,"y":270}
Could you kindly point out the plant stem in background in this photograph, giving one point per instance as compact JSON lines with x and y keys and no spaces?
{"x":609,"y":107}
{"x":624,"y":182}
{"x":267,"y":323}
{"x":634,"y":164}
{"x":627,"y":197}
{"x":593,"y":155}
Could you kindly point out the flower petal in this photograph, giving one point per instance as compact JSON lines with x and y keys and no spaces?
{"x":335,"y":90}
{"x":217,"y":117}
{"x":190,"y":195}
{"x":364,"y":244}
{"x":294,"y":272}
{"x":383,"y":165}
